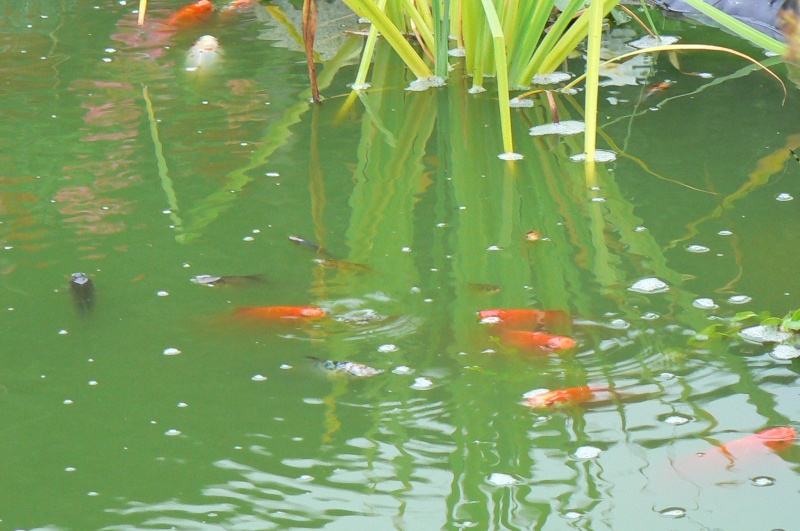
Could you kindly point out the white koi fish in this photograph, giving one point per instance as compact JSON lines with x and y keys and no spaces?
{"x":204,"y":54}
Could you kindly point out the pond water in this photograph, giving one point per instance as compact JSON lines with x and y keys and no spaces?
{"x":162,"y":409}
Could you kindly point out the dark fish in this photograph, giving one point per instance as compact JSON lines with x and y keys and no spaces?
{"x":302,"y":242}
{"x":211,"y":280}
{"x":488,"y":289}
{"x":346,"y":367}
{"x":341,"y":265}
{"x":82,"y":289}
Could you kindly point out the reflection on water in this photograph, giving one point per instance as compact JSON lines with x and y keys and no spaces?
{"x":162,"y":410}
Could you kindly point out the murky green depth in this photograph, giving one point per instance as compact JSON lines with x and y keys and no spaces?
{"x":162,"y":410}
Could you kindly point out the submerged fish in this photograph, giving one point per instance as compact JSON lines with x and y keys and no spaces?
{"x":658,"y":87}
{"x":538,"y":341}
{"x":237,"y":6}
{"x":346,"y":367}
{"x":81,"y":288}
{"x":572,"y":395}
{"x":278,"y":313}
{"x":233,"y":280}
{"x":488,"y":289}
{"x":192,"y":14}
{"x":745,"y":450}
{"x":302,"y":242}
{"x":204,"y":54}
{"x":341,"y":265}
{"x":524,"y":317}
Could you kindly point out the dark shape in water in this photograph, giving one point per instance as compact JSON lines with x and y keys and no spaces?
{"x":211,"y":280}
{"x":82,"y":289}
{"x":346,"y":367}
{"x":302,"y":242}
{"x":486,"y":289}
{"x":341,"y":265}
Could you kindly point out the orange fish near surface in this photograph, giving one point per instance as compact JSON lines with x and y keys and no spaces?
{"x":774,"y":439}
{"x":572,"y":395}
{"x":277,"y":313}
{"x":658,"y":87}
{"x":538,"y":341}
{"x":744,"y":451}
{"x":192,"y":14}
{"x":524,"y":317}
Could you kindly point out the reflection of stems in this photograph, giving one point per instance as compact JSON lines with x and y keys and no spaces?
{"x":166,"y":182}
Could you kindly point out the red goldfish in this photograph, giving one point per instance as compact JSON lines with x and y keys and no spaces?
{"x":192,"y":14}
{"x":524,"y":317}
{"x":658,"y":87}
{"x":277,"y":313}
{"x":575,"y":395}
{"x":536,"y":340}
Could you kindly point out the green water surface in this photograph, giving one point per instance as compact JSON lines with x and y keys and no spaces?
{"x":117,"y":162}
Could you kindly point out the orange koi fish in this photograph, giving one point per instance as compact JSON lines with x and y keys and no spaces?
{"x":192,"y":14}
{"x":745,"y":450}
{"x":277,"y":313}
{"x":538,"y":341}
{"x":239,"y":6}
{"x":572,"y":395}
{"x":774,"y":439}
{"x":524,"y":317}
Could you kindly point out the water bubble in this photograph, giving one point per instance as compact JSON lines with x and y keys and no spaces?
{"x":572,"y":515}
{"x":551,"y":79}
{"x":171,"y":351}
{"x":650,"y":316}
{"x":510,"y":156}
{"x":248,"y":238}
{"x":92,"y":493}
{"x":664,"y":376}
{"x":258,"y":378}
{"x":705,"y":304}
{"x":600,"y":155}
{"x":285,"y":367}
{"x":784,"y":197}
{"x":172,"y":432}
{"x":520,"y":103}
{"x":305,"y":478}
{"x":677,"y":420}
{"x":694,"y":248}
{"x":402,"y":369}
{"x":640,"y":228}
{"x":649,"y":285}
{"x":424,"y":83}
{"x":421,"y":383}
{"x":493,"y":248}
{"x":762,"y":481}
{"x":764,"y":334}
{"x":313,"y":401}
{"x":474,"y":89}
{"x":68,"y":401}
{"x":501,"y":480}
{"x":162,"y":293}
{"x":388,"y":348}
{"x":619,"y":324}
{"x":92,"y":382}
{"x":587,"y":452}
{"x":62,"y":332}
{"x":406,"y":249}
{"x":183,"y":404}
{"x":69,"y":469}
{"x":565,"y":127}
{"x":739,"y":299}
{"x":673,"y":512}
{"x":785,"y":352}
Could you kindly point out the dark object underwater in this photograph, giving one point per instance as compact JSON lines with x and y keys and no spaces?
{"x":81,"y":288}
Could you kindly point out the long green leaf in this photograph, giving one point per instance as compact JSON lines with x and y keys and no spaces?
{"x":738,"y":27}
{"x":502,"y":74}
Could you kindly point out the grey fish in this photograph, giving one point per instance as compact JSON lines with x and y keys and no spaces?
{"x":346,"y":367}
{"x":81,"y":288}
{"x":341,"y":265}
{"x":302,"y":242}
{"x":233,"y":280}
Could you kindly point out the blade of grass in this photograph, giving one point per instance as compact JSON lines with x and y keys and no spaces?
{"x":502,"y":74}
{"x":595,"y":36}
{"x":738,"y":27}
{"x":142,"y":10}
{"x":368,"y":9}
{"x":309,"y":31}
